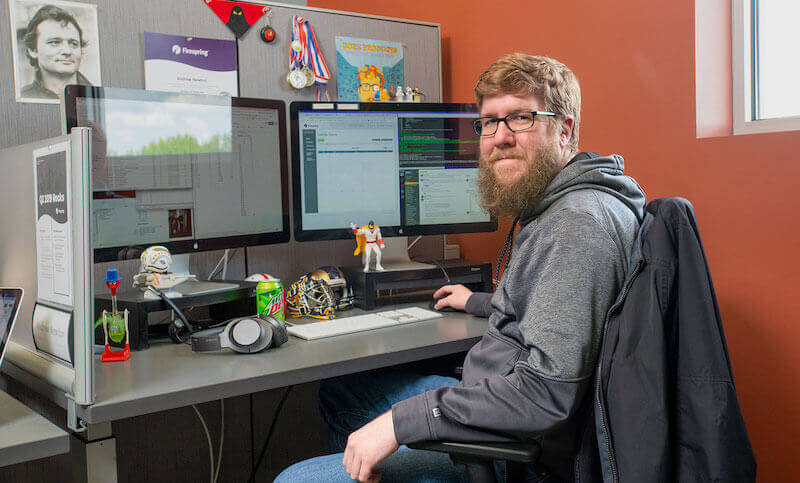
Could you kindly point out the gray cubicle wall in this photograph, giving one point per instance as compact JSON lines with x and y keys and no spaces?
{"x":262,"y":73}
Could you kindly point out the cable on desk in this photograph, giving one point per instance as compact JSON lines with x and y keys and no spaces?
{"x":435,"y":262}
{"x":178,"y":311}
{"x":269,"y":434}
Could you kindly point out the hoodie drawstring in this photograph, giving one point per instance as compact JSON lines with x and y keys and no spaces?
{"x":507,"y":247}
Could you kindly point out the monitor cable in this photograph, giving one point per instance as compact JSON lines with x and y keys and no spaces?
{"x":269,"y":434}
{"x":223,"y":262}
{"x":413,"y":243}
{"x":180,"y":329}
{"x":427,"y":260}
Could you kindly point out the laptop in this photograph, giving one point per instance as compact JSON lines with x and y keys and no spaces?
{"x":10,"y":300}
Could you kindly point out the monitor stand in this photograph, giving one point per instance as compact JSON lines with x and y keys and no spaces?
{"x":395,"y":256}
{"x":180,"y":265}
{"x":198,"y":287}
{"x":370,"y":287}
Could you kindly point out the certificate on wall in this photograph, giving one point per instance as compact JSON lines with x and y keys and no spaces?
{"x":53,"y":225}
{"x":190,"y":65}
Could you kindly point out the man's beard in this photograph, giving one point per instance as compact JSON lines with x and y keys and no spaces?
{"x":523,"y":195}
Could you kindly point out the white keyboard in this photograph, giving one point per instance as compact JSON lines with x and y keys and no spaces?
{"x":359,"y":323}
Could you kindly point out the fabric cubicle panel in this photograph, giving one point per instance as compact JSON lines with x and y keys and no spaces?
{"x":262,"y":73}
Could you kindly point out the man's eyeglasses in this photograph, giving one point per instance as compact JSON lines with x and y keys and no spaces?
{"x":516,"y":122}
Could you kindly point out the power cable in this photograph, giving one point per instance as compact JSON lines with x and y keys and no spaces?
{"x":269,"y":434}
{"x":210,"y":446}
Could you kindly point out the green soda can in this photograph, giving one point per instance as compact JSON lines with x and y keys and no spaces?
{"x":271,"y":299}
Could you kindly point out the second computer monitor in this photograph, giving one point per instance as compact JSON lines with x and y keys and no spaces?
{"x":409,"y":167}
{"x":190,"y":172}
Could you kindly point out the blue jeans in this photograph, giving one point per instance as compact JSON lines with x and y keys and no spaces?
{"x":349,"y":402}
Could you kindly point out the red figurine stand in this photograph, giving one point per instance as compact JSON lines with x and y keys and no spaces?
{"x":111,"y":356}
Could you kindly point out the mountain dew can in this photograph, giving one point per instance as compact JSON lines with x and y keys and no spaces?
{"x":271,"y":299}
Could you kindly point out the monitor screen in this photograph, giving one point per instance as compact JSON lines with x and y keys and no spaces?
{"x":409,"y":167}
{"x":189,"y":172}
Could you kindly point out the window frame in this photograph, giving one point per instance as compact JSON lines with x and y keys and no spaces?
{"x":744,"y":33}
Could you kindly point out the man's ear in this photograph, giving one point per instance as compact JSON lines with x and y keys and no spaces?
{"x":33,"y":54}
{"x":567,"y":125}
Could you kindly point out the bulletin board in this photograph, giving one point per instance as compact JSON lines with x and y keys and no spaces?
{"x":262,"y":66}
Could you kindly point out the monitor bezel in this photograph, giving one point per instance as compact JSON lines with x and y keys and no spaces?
{"x":18,"y":294}
{"x":108,"y":254}
{"x":387,"y":231}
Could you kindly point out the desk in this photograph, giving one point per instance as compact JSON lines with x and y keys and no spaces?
{"x":167,"y":376}
{"x":25,"y":436}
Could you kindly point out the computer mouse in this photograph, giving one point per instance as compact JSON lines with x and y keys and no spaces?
{"x":432,"y":306}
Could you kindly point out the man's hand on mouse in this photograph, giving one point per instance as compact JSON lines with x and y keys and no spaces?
{"x":454,"y":296}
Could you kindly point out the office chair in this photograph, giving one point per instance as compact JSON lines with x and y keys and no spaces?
{"x":479,"y":458}
{"x":732,"y":459}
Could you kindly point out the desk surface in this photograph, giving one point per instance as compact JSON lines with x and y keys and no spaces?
{"x":168,"y":376}
{"x":25,"y":436}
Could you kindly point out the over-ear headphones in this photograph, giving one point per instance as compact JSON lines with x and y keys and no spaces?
{"x":242,"y":334}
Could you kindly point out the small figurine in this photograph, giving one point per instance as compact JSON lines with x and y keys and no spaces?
{"x":399,"y":96}
{"x":391,"y":94}
{"x":368,"y":240}
{"x":409,"y":94}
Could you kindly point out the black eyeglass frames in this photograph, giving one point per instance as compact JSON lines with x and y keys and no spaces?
{"x":516,"y":122}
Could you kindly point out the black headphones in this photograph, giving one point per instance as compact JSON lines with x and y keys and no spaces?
{"x":245,"y":335}
{"x":242,"y":334}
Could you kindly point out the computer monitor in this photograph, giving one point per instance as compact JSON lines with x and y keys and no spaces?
{"x":189,"y":172}
{"x":409,"y":167}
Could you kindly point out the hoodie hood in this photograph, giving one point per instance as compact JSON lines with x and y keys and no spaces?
{"x":592,"y":171}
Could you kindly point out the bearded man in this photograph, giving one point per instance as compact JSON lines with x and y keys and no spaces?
{"x":531,"y":374}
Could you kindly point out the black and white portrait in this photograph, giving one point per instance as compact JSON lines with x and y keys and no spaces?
{"x":55,"y":44}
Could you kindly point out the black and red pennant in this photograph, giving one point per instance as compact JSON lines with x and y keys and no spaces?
{"x":238,"y":16}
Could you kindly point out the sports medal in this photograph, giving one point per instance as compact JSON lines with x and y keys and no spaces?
{"x":297,"y":79}
{"x":309,"y":75}
{"x":306,"y":65}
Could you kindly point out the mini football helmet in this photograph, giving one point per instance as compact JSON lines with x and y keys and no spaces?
{"x":260,"y":277}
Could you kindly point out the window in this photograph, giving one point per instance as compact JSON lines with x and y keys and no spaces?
{"x":766,"y":66}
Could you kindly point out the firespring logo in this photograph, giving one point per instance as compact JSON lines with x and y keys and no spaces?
{"x":177,"y":50}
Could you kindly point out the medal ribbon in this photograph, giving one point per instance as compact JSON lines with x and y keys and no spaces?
{"x":301,"y":29}
{"x":311,"y":50}
{"x":294,"y":57}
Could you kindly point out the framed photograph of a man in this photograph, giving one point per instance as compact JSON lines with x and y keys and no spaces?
{"x":54,"y":44}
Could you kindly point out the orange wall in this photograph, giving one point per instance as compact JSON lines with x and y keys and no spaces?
{"x":635,"y":61}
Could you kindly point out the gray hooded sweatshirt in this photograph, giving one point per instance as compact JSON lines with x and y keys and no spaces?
{"x":529,"y":376}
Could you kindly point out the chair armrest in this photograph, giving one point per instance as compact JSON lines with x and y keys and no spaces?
{"x":526,"y":453}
